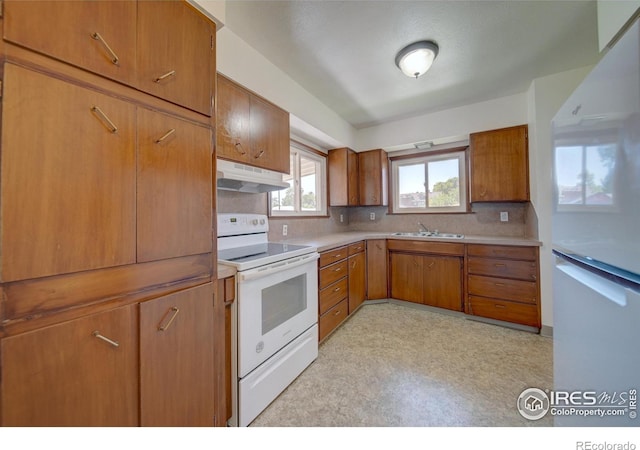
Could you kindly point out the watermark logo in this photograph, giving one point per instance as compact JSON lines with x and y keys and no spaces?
{"x":533,"y":404}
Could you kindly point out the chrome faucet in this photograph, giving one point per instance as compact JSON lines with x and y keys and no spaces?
{"x":426,"y":230}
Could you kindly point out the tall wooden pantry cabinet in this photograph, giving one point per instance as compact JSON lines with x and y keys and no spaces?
{"x":107,"y":251}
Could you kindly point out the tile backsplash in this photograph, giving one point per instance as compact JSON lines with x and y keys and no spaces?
{"x":484,"y":219}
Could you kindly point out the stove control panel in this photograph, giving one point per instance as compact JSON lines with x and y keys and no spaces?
{"x":237,"y":224}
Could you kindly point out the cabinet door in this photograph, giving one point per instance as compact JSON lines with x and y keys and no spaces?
{"x":79,"y":373}
{"x":269,"y":128}
{"x":97,"y":36}
{"x":232,"y":121}
{"x":406,"y":277}
{"x":372,"y":177}
{"x":500,"y":165}
{"x":174,"y":187}
{"x":176,"y":359}
{"x":377,"y":269}
{"x":443,"y":282}
{"x":343,"y":177}
{"x":357,"y":280}
{"x":175,"y":49}
{"x":67,"y":178}
{"x":353,"y":179}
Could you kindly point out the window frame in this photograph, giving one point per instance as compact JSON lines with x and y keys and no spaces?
{"x":461,"y":153}
{"x":303,"y":150}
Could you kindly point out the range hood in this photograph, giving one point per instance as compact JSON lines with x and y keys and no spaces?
{"x":238,"y":177}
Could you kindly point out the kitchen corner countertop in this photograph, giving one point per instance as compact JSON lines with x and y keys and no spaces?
{"x":225,"y":271}
{"x":329,"y":241}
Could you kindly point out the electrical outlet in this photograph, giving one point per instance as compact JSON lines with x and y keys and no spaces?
{"x":504,"y":216}
{"x":285,"y":230}
{"x":341,"y":218}
{"x":372,"y":216}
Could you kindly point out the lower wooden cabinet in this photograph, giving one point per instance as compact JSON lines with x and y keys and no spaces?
{"x":79,"y":373}
{"x":176,"y":359}
{"x":330,"y":320}
{"x":142,"y":364}
{"x":226,"y":298}
{"x":357,"y":276}
{"x":377,"y":269}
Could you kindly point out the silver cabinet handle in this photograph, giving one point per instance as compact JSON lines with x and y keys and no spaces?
{"x":106,"y":339}
{"x":175,"y":313}
{"x":336,"y":289}
{"x":165,"y":76}
{"x":166,"y":135}
{"x":110,"y":125}
{"x":114,"y":58}
{"x":238,"y":147}
{"x":259,"y":155}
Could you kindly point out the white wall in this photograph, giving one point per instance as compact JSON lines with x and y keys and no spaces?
{"x":447,"y":125}
{"x":612,"y":16}
{"x":544,"y":98}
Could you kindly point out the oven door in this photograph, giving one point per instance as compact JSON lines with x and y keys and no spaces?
{"x":276,"y":303}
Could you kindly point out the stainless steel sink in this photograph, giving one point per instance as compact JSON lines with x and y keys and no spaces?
{"x":429,"y":234}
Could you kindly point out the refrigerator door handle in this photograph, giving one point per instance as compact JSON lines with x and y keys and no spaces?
{"x":606,"y":289}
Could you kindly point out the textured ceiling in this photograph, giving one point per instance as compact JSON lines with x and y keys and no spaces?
{"x":343,"y":52}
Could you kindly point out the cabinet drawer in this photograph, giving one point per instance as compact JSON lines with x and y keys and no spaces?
{"x":502,"y":251}
{"x":332,"y":318}
{"x":332,"y":273}
{"x":521,"y":270}
{"x":520,"y":291}
{"x":332,"y":295}
{"x":504,"y":310}
{"x":332,"y":256}
{"x":358,"y":247}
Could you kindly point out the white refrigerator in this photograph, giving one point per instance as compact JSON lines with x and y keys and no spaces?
{"x":596,"y":241}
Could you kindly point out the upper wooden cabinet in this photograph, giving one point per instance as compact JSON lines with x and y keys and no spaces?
{"x":250,"y":130}
{"x":343,"y":177}
{"x":68,"y":178}
{"x":500,"y":165}
{"x":174,"y":198}
{"x":150,"y":45}
{"x":373,"y":173}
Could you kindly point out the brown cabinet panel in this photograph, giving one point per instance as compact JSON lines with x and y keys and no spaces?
{"x":358,"y":247}
{"x":65,"y":375}
{"x":332,"y":295}
{"x":407,"y":277}
{"x":435,"y":248}
{"x":373,"y":173}
{"x":232,"y":121}
{"x":357,"y":280}
{"x":65,"y":30}
{"x":503,"y":251}
{"x":522,"y":270}
{"x":520,"y":291}
{"x":270,"y":136}
{"x":500,"y":165}
{"x":331,"y":256}
{"x":332,"y":273}
{"x":176,"y":359}
{"x":343,"y":177}
{"x":377,"y":269}
{"x":174,"y":187}
{"x":68,"y":178}
{"x":332,"y":318}
{"x":504,"y":310}
{"x":175,"y":47}
{"x":224,"y":378}
{"x":443,"y":282}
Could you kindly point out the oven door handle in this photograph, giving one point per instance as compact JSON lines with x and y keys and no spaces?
{"x":277,"y":267}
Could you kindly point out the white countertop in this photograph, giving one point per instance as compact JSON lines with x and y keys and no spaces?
{"x":329,"y":241}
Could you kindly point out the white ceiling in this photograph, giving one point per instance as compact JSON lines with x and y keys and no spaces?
{"x":343,"y":52}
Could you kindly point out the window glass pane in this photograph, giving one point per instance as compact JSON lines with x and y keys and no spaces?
{"x":569,"y":175}
{"x":411,"y":185}
{"x":308,"y":184}
{"x":283,"y":199}
{"x":444,"y":183}
{"x":600,"y":161}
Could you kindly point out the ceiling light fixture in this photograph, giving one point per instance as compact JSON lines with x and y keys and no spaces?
{"x":415,"y":59}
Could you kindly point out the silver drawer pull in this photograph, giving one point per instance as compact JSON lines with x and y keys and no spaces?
{"x":166,"y":135}
{"x":238,"y":147}
{"x":165,"y":76}
{"x":110,"y":125}
{"x":500,"y":265}
{"x":106,"y":339}
{"x":338,"y":269}
{"x":499,"y":284}
{"x":337,"y":256}
{"x":337,"y":313}
{"x":175,"y":313}
{"x":336,"y":289}
{"x":259,"y":155}
{"x":499,"y":306}
{"x":114,"y":58}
